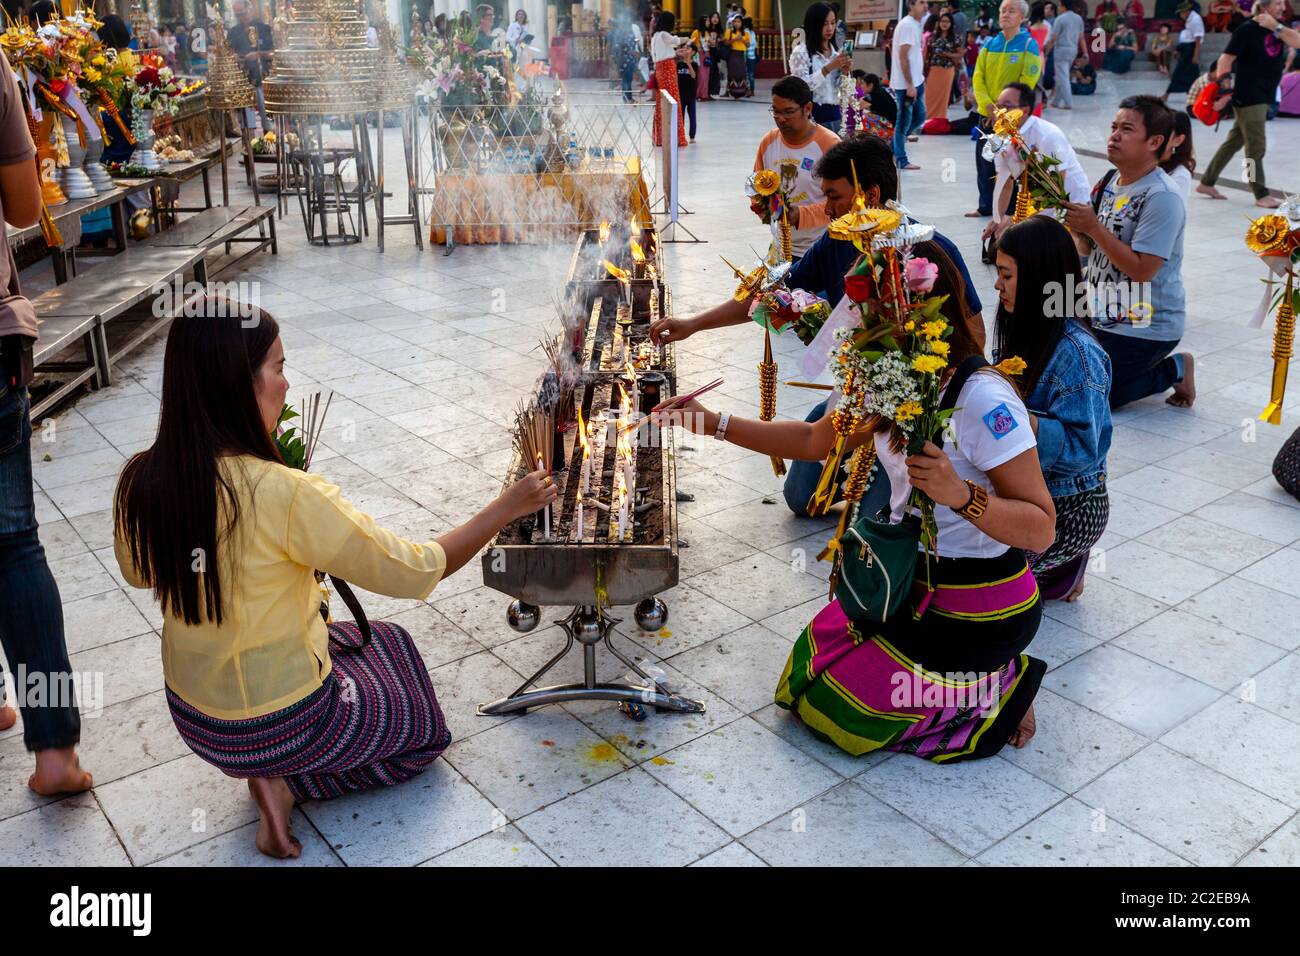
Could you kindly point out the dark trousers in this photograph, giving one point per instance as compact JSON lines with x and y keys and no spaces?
{"x":31,"y":614}
{"x":1185,"y":72}
{"x":985,"y":175}
{"x":625,"y":78}
{"x":686,"y":88}
{"x":1138,"y":367}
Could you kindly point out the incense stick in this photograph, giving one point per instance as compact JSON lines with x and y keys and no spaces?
{"x":819,"y":387}
{"x":679,"y":399}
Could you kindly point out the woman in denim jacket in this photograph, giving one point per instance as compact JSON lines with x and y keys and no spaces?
{"x":1065,"y":383}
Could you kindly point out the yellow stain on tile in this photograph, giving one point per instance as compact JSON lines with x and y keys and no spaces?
{"x":602,"y":752}
{"x":665,"y":633}
{"x":660,"y":761}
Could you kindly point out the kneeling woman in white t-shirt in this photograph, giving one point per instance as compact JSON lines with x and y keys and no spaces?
{"x":955,"y":683}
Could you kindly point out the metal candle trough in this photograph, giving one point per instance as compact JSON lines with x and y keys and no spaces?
{"x":594,"y":570}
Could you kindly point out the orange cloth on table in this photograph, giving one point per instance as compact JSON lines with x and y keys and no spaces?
{"x":666,"y":75}
{"x":527,"y":207}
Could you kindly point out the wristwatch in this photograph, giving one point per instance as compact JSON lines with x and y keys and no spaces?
{"x":976,"y":505}
{"x":723,"y":421}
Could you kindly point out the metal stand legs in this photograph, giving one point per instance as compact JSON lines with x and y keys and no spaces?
{"x":590,"y":627}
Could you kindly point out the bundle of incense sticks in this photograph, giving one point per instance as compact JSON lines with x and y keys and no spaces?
{"x":670,"y":403}
{"x":561,"y":365}
{"x":535,"y":442}
{"x":312,"y":417}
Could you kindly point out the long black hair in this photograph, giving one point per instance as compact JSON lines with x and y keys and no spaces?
{"x":1048,"y":280}
{"x":814,"y":21}
{"x":1184,"y":153}
{"x":171,"y":497}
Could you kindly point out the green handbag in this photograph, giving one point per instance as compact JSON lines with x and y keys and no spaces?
{"x":877,"y":564}
{"x":876,"y":559}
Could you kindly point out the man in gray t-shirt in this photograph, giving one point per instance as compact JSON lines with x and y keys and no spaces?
{"x":1066,"y":40}
{"x":1133,"y":233}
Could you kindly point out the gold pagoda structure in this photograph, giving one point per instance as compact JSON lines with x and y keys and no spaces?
{"x":325,"y":67}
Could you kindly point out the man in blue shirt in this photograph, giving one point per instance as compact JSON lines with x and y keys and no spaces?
{"x":821,"y":270}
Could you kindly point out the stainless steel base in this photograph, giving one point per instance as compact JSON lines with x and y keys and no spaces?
{"x":590,"y":627}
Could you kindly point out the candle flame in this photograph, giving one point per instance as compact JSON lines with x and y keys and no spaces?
{"x":582,"y":435}
{"x":604,"y":231}
{"x":619,"y":274}
{"x":637,"y":254}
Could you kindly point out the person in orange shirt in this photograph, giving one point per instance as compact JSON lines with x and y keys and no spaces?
{"x":793,"y":149}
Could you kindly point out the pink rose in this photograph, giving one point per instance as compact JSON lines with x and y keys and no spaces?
{"x":921,"y":274}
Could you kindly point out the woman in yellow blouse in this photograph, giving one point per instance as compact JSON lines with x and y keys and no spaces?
{"x":737,"y":39}
{"x":229,"y":539}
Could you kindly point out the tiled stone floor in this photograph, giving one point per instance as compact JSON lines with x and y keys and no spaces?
{"x":1169,"y":724}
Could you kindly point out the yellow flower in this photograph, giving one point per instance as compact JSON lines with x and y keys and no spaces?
{"x":92,"y":75}
{"x":929,"y":364}
{"x":932,"y":330}
{"x":1007,"y":122}
{"x":907,"y":411}
{"x":909,"y":326}
{"x":1012,"y":366}
{"x":766,"y":182}
{"x":98,"y":60}
{"x":939,"y":347}
{"x":1267,"y":234}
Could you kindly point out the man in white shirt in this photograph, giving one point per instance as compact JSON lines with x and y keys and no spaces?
{"x":1189,"y":50}
{"x":1049,"y":139}
{"x":907,"y":78}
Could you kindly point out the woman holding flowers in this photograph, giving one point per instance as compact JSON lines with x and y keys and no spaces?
{"x":230,"y":538}
{"x":946,"y":677}
{"x":1065,"y":383}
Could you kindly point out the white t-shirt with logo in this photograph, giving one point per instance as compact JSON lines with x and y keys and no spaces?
{"x":991,"y":426}
{"x":907,"y":33}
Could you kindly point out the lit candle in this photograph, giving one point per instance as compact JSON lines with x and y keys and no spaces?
{"x":580,"y":517}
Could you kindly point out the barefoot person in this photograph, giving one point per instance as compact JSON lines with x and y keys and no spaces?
{"x":1065,"y":384}
{"x":229,"y":539}
{"x":843,"y":678}
{"x":1249,"y":72}
{"x":1133,"y":234}
{"x":31,"y":615}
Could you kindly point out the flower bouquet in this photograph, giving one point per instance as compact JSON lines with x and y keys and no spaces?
{"x":890,"y":367}
{"x":769,"y":198}
{"x":454,"y":74}
{"x":1275,"y":238}
{"x":1042,"y":182}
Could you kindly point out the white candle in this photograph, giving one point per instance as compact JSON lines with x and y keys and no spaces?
{"x":579,"y":517}
{"x":586,"y":473}
{"x":546,"y":518}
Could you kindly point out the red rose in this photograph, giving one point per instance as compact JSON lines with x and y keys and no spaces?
{"x":147,"y":77}
{"x":857,"y":288}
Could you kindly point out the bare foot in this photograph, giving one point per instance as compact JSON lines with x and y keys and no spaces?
{"x":59,"y":771}
{"x":8,"y":717}
{"x":1028,"y":727}
{"x":977,"y":215}
{"x":1210,"y":191}
{"x":1077,"y":591}
{"x":274,"y":838}
{"x":1268,"y":202}
{"x":1185,"y":391}
{"x":910,"y":166}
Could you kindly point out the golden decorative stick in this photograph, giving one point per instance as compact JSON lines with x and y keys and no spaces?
{"x":864,"y":459}
{"x":1024,"y":202}
{"x":767,"y":393}
{"x":1283,"y":340}
{"x":844,"y":422}
{"x":787,"y":244}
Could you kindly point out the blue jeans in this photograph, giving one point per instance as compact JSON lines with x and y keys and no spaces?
{"x":31,"y":614}
{"x":802,"y":476}
{"x":911,"y":116}
{"x":625,"y":78}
